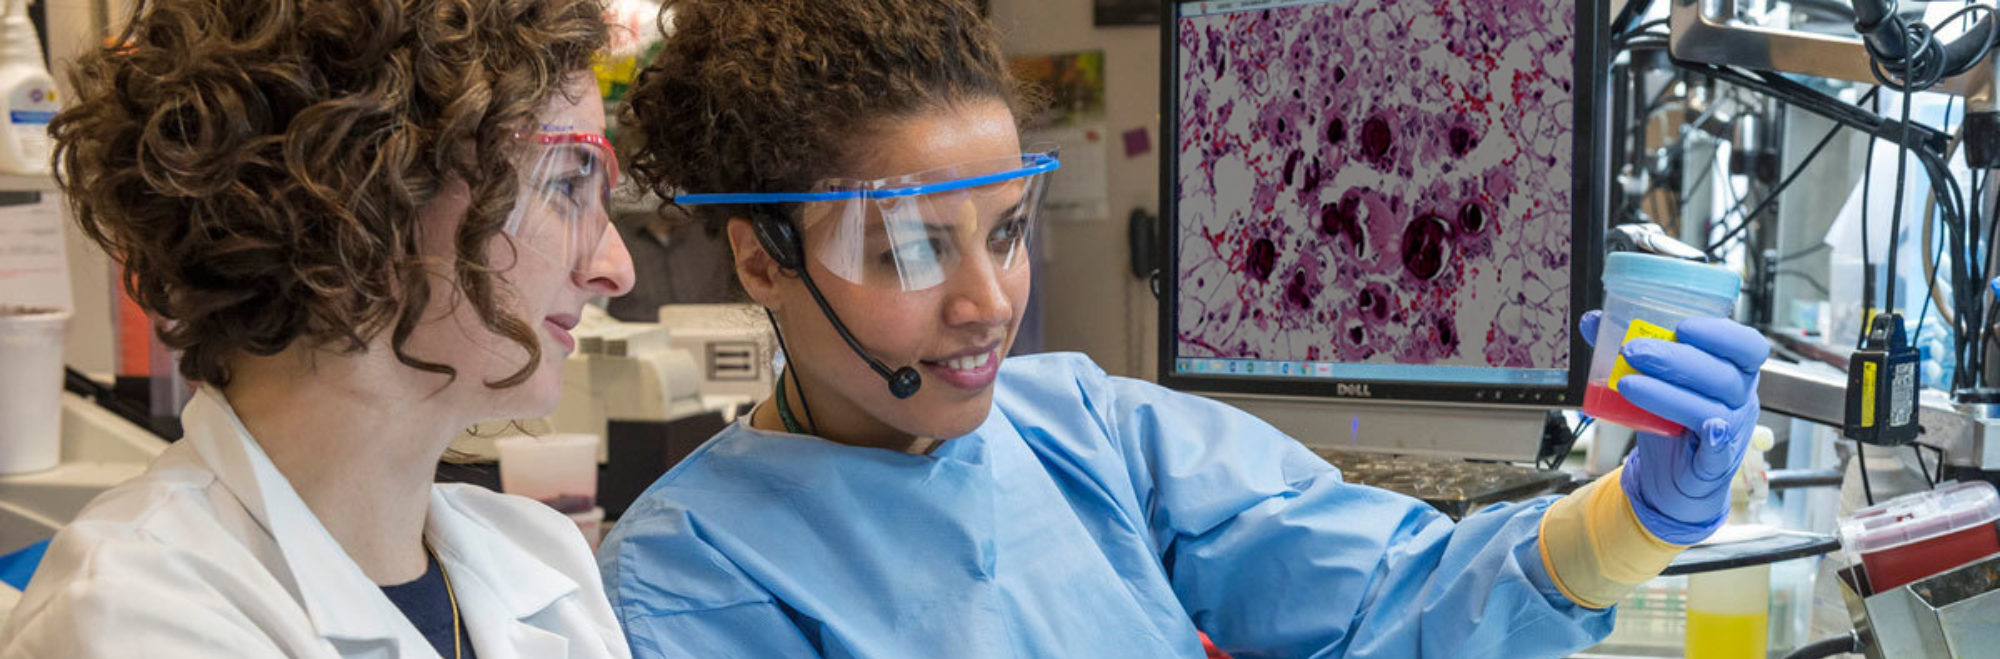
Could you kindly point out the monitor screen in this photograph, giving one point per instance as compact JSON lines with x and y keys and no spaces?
{"x":1381,"y":198}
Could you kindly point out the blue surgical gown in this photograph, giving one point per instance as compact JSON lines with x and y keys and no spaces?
{"x":1089,"y":516}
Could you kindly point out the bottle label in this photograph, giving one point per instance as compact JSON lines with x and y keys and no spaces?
{"x":1639,"y":329}
{"x":29,"y":110}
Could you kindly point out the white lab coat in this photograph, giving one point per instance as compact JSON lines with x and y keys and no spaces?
{"x":212,"y":554}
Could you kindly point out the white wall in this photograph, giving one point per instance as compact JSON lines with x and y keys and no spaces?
{"x":75,"y":25}
{"x":1094,"y":305}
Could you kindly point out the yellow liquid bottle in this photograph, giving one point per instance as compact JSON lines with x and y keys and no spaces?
{"x":1728,"y":614}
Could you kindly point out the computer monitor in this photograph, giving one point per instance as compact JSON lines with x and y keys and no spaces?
{"x":1382,"y":200}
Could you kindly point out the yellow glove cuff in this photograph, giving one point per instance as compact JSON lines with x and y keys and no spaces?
{"x":1594,"y":547}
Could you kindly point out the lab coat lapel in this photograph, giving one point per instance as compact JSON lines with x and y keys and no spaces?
{"x":344,"y":605}
{"x":505,"y":594}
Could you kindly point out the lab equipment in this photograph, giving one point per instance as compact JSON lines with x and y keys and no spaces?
{"x":1647,"y":297}
{"x":31,"y":384}
{"x":1714,"y":33}
{"x":1949,"y":615}
{"x":1916,"y":535}
{"x":732,"y":343}
{"x":908,"y":232}
{"x":1095,"y":477}
{"x":1337,"y":233}
{"x":700,"y":358}
{"x":1882,"y":382}
{"x":1455,"y":487}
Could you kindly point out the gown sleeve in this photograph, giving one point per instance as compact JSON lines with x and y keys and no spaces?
{"x":705,"y":606}
{"x":1273,"y":555}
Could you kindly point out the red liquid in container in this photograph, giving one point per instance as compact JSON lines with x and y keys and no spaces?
{"x":1893,"y":567}
{"x":1914,"y":536}
{"x":1603,"y":404}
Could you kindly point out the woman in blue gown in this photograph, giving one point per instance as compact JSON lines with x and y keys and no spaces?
{"x":862,"y":158}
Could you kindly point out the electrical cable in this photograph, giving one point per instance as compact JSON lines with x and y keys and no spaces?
{"x":1923,"y":468}
{"x":1771,"y":197}
{"x":1939,"y":452}
{"x":1807,"y":278}
{"x":1809,"y":251}
{"x":1861,"y":457}
{"x":1896,"y":210}
{"x":1909,"y":57}
{"x":1925,"y":61}
{"x":1659,"y":101}
{"x":1867,"y":268}
{"x":792,"y":370}
{"x":1849,"y":642}
{"x":1642,"y":27}
{"x":1913,"y":142}
{"x":1632,"y":11}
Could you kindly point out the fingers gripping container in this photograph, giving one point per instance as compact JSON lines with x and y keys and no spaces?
{"x":1914,"y":536}
{"x":1648,"y":296}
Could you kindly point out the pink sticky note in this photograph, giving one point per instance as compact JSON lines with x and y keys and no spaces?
{"x":1137,"y":143}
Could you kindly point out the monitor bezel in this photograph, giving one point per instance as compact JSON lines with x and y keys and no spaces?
{"x":1590,"y":150}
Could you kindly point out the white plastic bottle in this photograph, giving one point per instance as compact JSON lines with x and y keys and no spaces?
{"x":28,"y":93}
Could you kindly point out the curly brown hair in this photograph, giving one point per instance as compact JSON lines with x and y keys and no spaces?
{"x":258,"y":166}
{"x":769,"y":95}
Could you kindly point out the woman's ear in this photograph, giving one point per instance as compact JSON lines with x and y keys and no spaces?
{"x":755,"y":268}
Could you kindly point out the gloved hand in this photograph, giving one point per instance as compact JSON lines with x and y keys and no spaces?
{"x":1705,"y":380}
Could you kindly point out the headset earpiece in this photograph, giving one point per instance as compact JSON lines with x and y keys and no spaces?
{"x":778,"y":238}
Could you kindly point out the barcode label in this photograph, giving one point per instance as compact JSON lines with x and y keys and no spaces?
{"x":1902,"y":394}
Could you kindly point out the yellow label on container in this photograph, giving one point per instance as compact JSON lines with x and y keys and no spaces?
{"x":1639,"y":329}
{"x":1868,"y":394}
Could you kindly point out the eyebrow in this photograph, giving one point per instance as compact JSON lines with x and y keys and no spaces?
{"x":583,"y":153}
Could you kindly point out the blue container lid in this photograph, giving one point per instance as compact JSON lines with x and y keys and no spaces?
{"x":1650,"y":270}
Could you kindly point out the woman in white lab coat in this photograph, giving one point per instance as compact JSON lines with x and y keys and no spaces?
{"x":366,"y":226}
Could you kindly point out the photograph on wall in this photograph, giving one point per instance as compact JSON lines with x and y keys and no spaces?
{"x":1072,"y":122}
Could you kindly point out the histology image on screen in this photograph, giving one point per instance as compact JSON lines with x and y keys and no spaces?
{"x":1384,"y":182}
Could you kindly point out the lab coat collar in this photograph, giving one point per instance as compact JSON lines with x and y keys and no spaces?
{"x":500,"y":586}
{"x":339,"y":598}
{"x":521,"y":584}
{"x":499,"y":583}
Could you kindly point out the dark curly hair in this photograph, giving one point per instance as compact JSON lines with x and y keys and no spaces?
{"x":258,"y":166}
{"x":767,"y":95}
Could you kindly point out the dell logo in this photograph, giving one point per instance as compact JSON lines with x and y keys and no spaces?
{"x":1352,"y":390}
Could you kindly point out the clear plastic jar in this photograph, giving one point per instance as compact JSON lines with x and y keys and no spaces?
{"x":1648,"y":296}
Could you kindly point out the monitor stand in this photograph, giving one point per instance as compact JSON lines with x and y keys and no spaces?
{"x":1511,"y":434}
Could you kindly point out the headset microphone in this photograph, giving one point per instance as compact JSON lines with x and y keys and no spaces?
{"x":903,"y":382}
{"x":781,"y":241}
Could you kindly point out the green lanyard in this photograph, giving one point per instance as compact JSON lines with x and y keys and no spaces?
{"x":785,"y":410}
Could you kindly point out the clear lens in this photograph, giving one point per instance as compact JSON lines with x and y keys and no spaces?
{"x":916,"y":232}
{"x":563,"y":208}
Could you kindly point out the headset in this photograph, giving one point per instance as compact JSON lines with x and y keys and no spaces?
{"x":780,"y":238}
